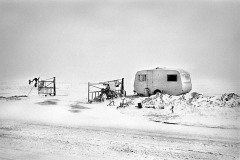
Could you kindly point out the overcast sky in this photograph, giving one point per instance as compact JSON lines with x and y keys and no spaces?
{"x":92,"y":40}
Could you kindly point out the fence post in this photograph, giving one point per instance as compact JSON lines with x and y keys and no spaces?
{"x":122,"y":87}
{"x":38,"y":86}
{"x":88,"y":91}
{"x":54,"y":86}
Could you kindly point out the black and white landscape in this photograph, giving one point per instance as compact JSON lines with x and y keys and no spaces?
{"x":94,"y":41}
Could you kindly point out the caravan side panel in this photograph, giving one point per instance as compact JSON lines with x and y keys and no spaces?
{"x":168,"y":81}
{"x":173,"y":81}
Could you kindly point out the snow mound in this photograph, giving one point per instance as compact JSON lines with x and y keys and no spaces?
{"x":195,"y":99}
{"x":190,"y":109}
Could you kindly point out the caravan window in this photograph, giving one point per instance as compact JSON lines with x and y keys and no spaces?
{"x":172,"y":78}
{"x":142,"y":77}
{"x":186,"y":78}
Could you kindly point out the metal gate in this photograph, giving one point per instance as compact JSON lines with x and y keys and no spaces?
{"x":47,"y":87}
{"x":95,"y":90}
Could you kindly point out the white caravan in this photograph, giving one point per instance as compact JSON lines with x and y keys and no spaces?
{"x":163,"y":80}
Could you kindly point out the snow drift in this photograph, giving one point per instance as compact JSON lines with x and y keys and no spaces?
{"x":190,"y":109}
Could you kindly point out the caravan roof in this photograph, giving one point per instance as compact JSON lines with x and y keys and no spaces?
{"x":164,"y":68}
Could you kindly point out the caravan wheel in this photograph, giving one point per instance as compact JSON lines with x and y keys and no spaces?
{"x":158,"y":92}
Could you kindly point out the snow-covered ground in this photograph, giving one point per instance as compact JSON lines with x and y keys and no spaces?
{"x":193,"y":115}
{"x":192,"y":109}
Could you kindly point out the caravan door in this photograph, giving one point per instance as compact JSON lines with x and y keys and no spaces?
{"x":141,"y":82}
{"x":159,"y":80}
{"x":150,"y":80}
